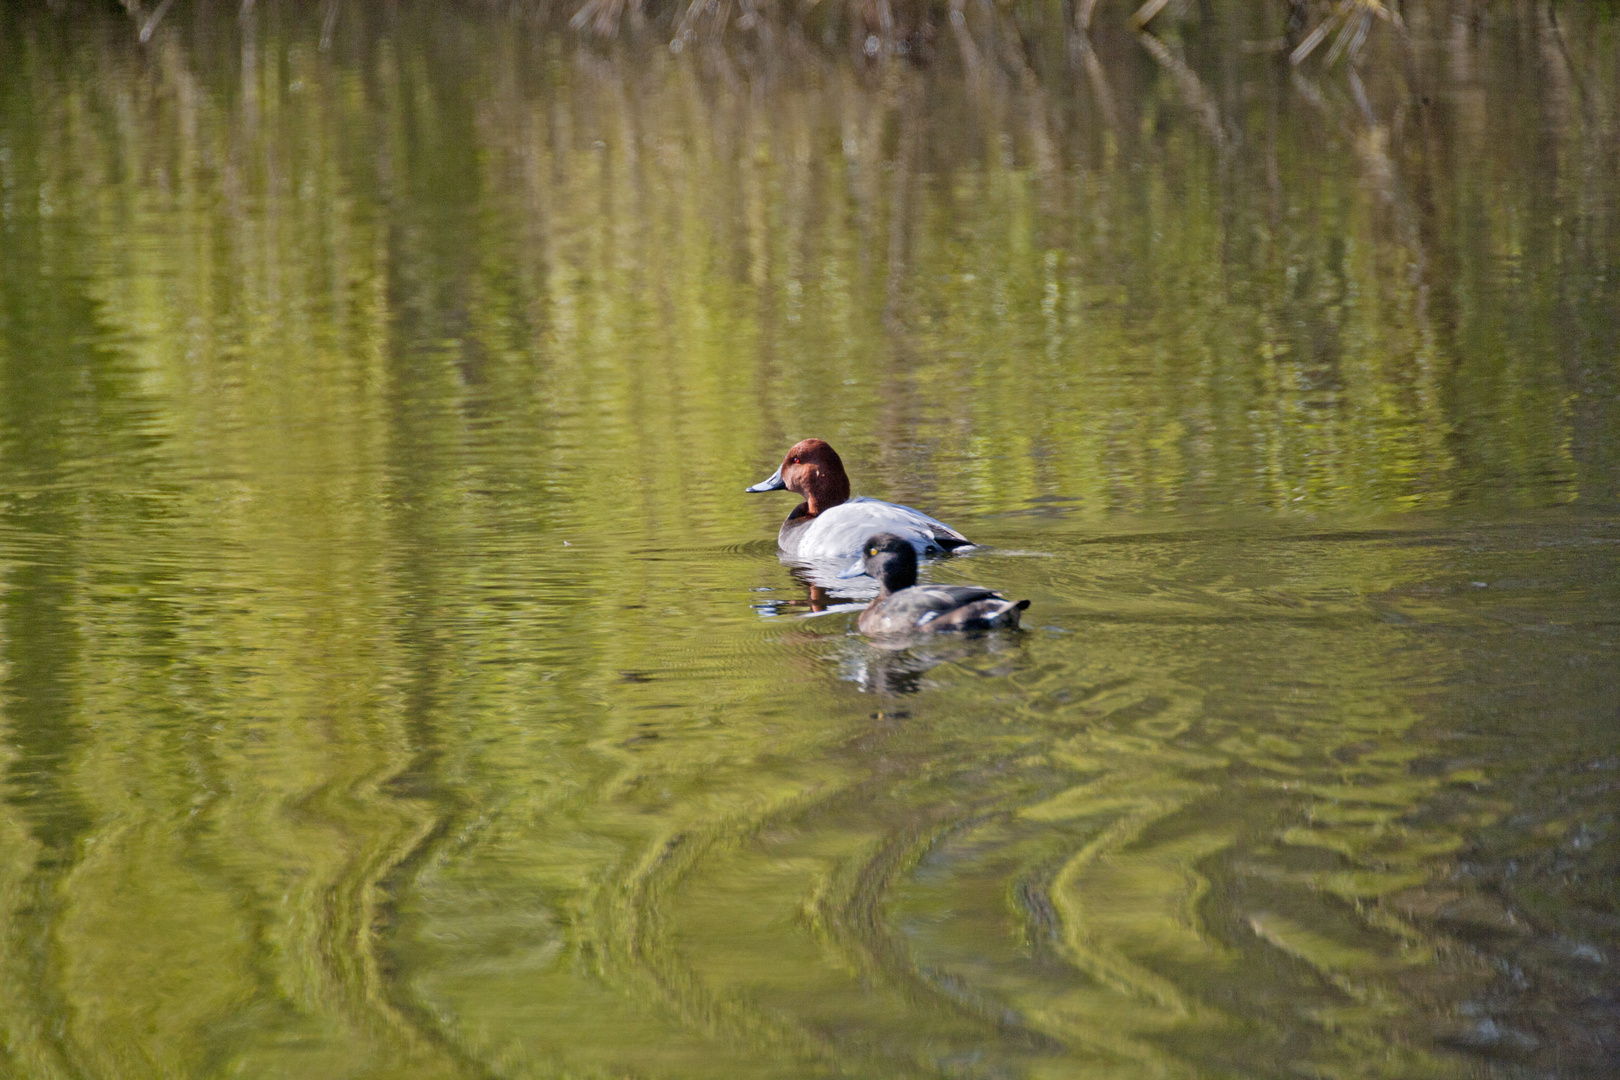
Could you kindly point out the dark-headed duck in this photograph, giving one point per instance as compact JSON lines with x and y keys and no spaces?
{"x":831,"y":525}
{"x":904,"y":607}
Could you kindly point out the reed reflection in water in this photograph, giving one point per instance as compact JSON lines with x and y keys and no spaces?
{"x":394,"y":681}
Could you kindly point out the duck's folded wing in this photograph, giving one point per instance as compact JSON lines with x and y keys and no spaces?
{"x":934,"y":608}
{"x":922,"y":604}
{"x":945,"y":597}
{"x":985,"y":611}
{"x":947,"y":537}
{"x":845,"y":527}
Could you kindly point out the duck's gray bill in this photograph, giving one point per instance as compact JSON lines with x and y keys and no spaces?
{"x":855,"y":569}
{"x":775,"y":483}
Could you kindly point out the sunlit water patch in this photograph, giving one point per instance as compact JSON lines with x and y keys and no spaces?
{"x":395,"y":680}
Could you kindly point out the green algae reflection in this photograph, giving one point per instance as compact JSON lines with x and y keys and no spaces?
{"x":395,"y":681}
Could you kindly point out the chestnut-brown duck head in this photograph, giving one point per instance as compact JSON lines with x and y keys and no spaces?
{"x":814,"y":470}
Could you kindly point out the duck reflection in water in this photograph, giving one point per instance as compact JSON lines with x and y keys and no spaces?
{"x":817,"y":600}
{"x":896,"y":665}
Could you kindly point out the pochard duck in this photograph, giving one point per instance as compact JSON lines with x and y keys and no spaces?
{"x":831,"y":525}
{"x":904,"y":607}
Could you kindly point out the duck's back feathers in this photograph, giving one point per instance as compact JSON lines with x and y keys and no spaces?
{"x":993,"y":612}
{"x":938,"y":608}
{"x":839,"y":531}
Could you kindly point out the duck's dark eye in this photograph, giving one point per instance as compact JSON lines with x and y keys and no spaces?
{"x":795,"y":461}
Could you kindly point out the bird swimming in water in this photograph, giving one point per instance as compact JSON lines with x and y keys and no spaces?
{"x":904,"y":607}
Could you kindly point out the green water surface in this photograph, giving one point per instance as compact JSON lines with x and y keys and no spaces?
{"x":395,"y":680}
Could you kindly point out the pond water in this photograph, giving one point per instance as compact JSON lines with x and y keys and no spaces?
{"x":396,"y":681}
